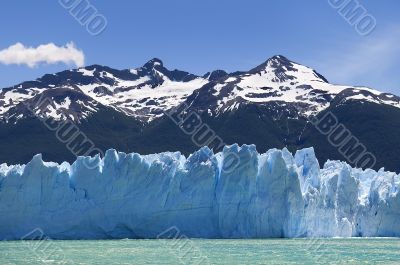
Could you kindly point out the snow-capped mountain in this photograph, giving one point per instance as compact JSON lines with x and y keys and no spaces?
{"x":283,"y":85}
{"x":144,"y":93}
{"x":268,"y":106}
{"x":147,"y":92}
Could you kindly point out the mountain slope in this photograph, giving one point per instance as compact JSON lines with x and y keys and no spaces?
{"x":269,"y":105}
{"x":289,"y":88}
{"x":143,"y":93}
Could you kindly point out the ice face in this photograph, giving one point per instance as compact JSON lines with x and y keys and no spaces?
{"x":266,"y":195}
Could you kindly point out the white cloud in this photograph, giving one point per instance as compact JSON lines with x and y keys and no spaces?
{"x":45,"y":53}
{"x":372,"y":55}
{"x":368,"y":61}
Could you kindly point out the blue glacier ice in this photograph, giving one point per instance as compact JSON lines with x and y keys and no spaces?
{"x":274,"y":194}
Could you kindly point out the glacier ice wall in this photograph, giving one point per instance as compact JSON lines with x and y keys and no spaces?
{"x":267,"y":195}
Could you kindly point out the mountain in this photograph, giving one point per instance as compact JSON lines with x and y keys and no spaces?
{"x":283,"y":85}
{"x":271,"y":106}
{"x":142,"y":93}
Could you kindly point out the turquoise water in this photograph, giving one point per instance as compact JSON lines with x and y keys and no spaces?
{"x":185,"y":251}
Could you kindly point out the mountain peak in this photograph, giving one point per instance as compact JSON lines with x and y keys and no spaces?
{"x":215,"y":75}
{"x":153,"y":62}
{"x":278,"y":61}
{"x":278,"y":58}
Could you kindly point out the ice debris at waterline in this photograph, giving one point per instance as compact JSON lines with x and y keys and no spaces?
{"x":134,"y":196}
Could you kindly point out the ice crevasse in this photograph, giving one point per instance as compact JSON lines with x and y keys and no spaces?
{"x":274,"y":194}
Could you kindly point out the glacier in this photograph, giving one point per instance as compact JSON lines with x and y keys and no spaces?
{"x":271,"y":195}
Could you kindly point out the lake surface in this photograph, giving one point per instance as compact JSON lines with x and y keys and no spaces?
{"x":198,"y":251}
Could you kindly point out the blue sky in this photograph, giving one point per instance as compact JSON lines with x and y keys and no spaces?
{"x":199,"y":36}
